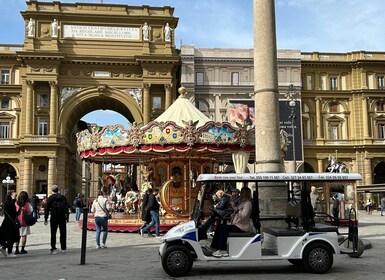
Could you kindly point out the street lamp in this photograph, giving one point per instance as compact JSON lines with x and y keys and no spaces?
{"x":291,"y":101}
{"x":8,"y":181}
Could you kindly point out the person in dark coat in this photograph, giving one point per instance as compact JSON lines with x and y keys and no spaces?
{"x":9,"y":233}
{"x":146,"y":216}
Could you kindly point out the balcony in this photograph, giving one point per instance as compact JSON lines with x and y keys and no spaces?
{"x":7,"y":142}
{"x":39,"y":139}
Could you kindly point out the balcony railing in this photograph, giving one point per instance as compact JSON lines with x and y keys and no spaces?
{"x":39,"y":139}
{"x":4,"y":142}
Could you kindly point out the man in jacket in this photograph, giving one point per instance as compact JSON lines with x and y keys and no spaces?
{"x":57,"y":207}
{"x":153,"y":207}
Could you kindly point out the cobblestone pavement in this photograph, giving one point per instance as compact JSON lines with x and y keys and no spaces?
{"x":130,"y":256}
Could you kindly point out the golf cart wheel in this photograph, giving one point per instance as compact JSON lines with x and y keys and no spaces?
{"x":317,"y":258}
{"x":360,"y":250}
{"x":177,"y":261}
{"x":296,"y":262}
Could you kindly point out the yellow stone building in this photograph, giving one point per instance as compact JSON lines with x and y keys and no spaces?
{"x":77,"y":58}
{"x":343,"y":111}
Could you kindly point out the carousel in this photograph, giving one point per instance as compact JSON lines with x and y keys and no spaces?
{"x":168,"y":153}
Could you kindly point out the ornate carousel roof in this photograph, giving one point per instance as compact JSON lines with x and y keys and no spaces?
{"x":182,"y":130}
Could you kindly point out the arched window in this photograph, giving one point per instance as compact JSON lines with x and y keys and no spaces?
{"x":333,"y":107}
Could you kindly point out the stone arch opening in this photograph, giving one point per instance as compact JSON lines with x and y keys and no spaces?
{"x":379,"y":173}
{"x":96,"y":98}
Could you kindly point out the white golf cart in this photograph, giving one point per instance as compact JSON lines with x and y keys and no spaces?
{"x":302,"y":242}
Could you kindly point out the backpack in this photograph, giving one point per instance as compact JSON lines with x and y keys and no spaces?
{"x":59,"y":206}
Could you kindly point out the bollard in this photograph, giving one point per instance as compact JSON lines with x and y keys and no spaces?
{"x":84,"y":236}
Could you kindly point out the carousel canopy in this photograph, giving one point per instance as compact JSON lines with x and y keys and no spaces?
{"x":182,"y":130}
{"x":182,"y":111}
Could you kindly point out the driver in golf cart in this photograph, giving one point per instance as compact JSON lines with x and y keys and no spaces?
{"x":240,"y":222}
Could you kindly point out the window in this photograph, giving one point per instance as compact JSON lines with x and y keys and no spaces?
{"x":43,"y":127}
{"x":5,"y":77}
{"x":380,"y":82}
{"x":201,"y":105}
{"x":333,"y":83}
{"x":333,"y":132}
{"x":5,"y":103}
{"x":4,"y":130}
{"x":234,"y":78}
{"x":380,"y":106}
{"x":156,"y":102}
{"x":43,"y":100}
{"x":308,"y":82}
{"x":199,"y":80}
{"x":381,"y":131}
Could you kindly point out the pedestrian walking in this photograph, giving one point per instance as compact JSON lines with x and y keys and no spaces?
{"x":146,"y":217}
{"x":100,"y":208}
{"x":153,"y":207}
{"x":23,"y":207}
{"x":57,"y":207}
{"x":9,"y":232}
{"x":78,"y":204}
{"x":382,"y":205}
{"x":34,"y":201}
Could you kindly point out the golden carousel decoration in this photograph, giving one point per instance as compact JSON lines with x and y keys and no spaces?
{"x":175,"y":148}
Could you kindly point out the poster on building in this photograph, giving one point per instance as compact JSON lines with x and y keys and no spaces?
{"x":242,"y":111}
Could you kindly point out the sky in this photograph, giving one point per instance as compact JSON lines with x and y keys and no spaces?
{"x":305,"y":25}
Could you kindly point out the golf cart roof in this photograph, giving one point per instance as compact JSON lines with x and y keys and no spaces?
{"x":279,"y":177}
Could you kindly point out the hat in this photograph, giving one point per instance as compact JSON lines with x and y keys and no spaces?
{"x":55,"y":188}
{"x":235,"y":190}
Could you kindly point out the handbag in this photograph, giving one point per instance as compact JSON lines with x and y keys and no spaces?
{"x":29,"y":219}
{"x":16,"y":221}
{"x":109,"y":216}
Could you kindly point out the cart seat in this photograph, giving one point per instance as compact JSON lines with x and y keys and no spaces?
{"x":283,"y":231}
{"x":324,"y":228}
{"x":242,"y":234}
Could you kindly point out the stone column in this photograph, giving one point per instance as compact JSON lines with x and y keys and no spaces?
{"x":27,"y":184}
{"x":146,"y":103}
{"x":217,"y":108}
{"x":365,"y":117}
{"x":367,"y":171}
{"x":53,"y":108}
{"x":267,"y":139}
{"x":51,"y":172}
{"x":28,"y":108}
{"x":167,"y":102}
{"x":318,"y":119}
{"x":320,"y":166}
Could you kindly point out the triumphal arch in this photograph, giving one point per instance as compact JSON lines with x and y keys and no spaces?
{"x":77,"y":58}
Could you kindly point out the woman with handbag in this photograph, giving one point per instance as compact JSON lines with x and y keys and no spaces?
{"x":24,"y":208}
{"x":100,"y":209}
{"x":9,"y":232}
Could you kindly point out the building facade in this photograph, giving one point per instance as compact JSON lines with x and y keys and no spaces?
{"x":341,"y":101}
{"x":77,"y":58}
{"x":343,"y":111}
{"x":218,"y":80}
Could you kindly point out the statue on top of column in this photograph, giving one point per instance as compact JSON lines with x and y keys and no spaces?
{"x":54,"y":29}
{"x":167,"y":32}
{"x":146,"y":30}
{"x":31,"y":28}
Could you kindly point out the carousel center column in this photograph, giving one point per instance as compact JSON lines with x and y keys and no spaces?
{"x":146,"y":103}
{"x":28,"y":109}
{"x":53,"y":108}
{"x":51,"y":172}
